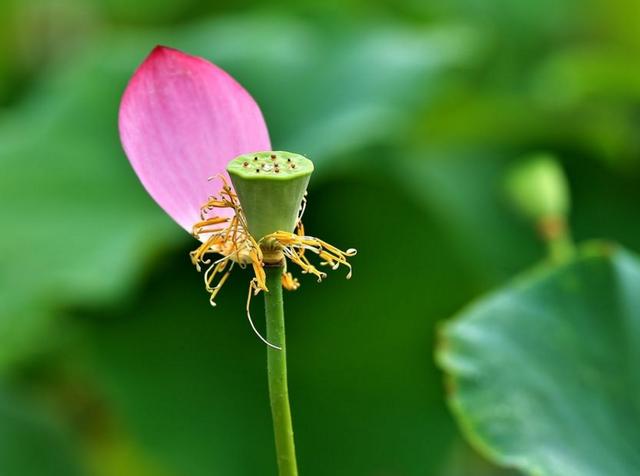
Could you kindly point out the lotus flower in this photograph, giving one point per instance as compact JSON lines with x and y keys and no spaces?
{"x":184,"y":120}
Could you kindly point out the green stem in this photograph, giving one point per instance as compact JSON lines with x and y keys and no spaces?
{"x":561,"y":248}
{"x":555,"y":231}
{"x":277,"y":370}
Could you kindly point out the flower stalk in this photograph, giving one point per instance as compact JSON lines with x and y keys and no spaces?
{"x":182,"y":120}
{"x":265,"y":231}
{"x":557,"y":236}
{"x":277,"y":374}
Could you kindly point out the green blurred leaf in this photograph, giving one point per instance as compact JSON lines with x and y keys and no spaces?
{"x":544,"y":374}
{"x":576,"y":75}
{"x":81,"y":226}
{"x":330,"y":88}
{"x":462,"y":190}
{"x":31,"y":442}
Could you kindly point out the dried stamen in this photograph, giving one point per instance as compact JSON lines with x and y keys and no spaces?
{"x":230,"y":238}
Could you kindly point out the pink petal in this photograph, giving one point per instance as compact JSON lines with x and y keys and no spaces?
{"x":181,"y":120}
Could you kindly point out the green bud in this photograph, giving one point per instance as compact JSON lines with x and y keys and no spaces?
{"x":538,"y":188}
{"x":270,"y":187}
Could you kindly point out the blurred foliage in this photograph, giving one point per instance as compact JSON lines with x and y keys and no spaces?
{"x":27,"y":431}
{"x":412,"y":110}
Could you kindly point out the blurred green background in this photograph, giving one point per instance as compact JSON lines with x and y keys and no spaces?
{"x":112,"y":362}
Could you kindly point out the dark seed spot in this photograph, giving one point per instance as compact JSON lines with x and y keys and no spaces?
{"x":245,"y":164}
{"x":255,"y":158}
{"x":273,"y":157}
{"x":293,"y":166}
{"x":257,"y":171}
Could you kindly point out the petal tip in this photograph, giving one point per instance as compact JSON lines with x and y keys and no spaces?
{"x":162,"y":51}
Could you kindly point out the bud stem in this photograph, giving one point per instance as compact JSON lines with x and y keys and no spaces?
{"x":555,"y":232}
{"x":277,"y":371}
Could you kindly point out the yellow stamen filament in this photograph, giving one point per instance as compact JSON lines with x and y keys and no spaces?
{"x":289,"y":282}
{"x":294,"y":246}
{"x":209,"y":275}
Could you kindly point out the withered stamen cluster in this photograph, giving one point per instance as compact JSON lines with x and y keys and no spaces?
{"x":230,"y":238}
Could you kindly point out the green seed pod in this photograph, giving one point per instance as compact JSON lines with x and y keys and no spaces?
{"x":270,"y":187}
{"x":538,"y":188}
